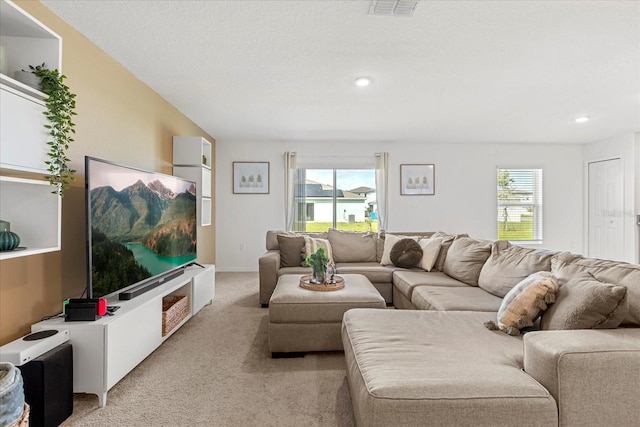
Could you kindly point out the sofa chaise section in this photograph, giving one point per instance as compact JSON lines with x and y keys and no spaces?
{"x":411,"y":368}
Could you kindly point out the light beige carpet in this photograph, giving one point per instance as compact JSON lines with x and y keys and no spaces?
{"x":217,"y":371}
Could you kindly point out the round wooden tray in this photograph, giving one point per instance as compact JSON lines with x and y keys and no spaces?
{"x":305,"y":282}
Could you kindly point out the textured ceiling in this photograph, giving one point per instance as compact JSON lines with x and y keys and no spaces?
{"x":455,"y":71}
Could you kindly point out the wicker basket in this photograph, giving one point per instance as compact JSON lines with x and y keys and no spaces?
{"x":174,"y":309}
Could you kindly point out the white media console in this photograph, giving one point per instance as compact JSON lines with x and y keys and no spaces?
{"x":106,"y":350}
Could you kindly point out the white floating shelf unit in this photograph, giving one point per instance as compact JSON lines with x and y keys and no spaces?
{"x":26,"y":41}
{"x":192,"y":161}
{"x":28,"y":204}
{"x":34,"y":213}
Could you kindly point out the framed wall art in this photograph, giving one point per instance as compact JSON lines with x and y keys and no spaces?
{"x":417,"y":180}
{"x":250,"y":177}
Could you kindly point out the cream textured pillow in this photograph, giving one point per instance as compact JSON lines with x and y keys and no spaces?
{"x":430,"y":250}
{"x":311,"y":245}
{"x":389,"y":241}
{"x":587,"y":303}
{"x":525,"y":302}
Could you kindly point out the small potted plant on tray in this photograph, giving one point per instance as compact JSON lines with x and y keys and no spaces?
{"x":318,"y":262}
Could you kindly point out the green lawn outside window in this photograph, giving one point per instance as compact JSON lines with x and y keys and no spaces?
{"x":348,"y":226}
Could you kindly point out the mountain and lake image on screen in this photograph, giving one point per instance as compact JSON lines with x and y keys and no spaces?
{"x":142,"y":224}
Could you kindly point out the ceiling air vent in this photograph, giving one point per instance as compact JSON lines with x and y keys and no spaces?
{"x":393,"y":7}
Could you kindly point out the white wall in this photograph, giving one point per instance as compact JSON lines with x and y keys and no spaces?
{"x":464,"y":200}
{"x":626,"y":148}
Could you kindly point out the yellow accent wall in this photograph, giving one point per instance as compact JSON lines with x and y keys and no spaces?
{"x":119,"y":119}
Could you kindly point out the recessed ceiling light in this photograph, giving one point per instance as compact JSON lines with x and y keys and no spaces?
{"x":583,"y":119}
{"x":363,"y":81}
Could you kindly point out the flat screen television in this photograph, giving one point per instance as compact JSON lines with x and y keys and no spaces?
{"x":141,"y":228}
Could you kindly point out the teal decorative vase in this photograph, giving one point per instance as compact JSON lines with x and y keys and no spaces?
{"x":8,"y":239}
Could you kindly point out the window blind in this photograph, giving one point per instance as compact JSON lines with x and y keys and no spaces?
{"x":519,"y":205}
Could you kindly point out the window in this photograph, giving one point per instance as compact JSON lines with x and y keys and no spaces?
{"x":335,"y":198}
{"x":520,"y":205}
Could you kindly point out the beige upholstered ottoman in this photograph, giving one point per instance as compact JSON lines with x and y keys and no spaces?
{"x":302,"y":320}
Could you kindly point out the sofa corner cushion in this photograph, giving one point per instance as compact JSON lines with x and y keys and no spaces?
{"x":406,"y":253}
{"x":509,"y":264}
{"x":465,"y":259}
{"x":584,"y":302}
{"x":526,"y":301}
{"x":447,"y":240}
{"x":353,"y":246}
{"x":291,"y":250}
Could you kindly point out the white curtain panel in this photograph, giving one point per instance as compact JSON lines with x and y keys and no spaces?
{"x":382,"y":186}
{"x":289,"y":188}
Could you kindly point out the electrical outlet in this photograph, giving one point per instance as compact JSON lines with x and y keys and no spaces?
{"x":242,"y":247}
{"x":638,"y":219}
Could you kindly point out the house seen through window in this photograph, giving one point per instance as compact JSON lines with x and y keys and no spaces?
{"x":335,"y":198}
{"x":520,"y":205}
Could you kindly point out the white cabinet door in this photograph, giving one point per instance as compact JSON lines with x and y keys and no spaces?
{"x":23,"y":138}
{"x":204,"y":288}
{"x":131,"y":337}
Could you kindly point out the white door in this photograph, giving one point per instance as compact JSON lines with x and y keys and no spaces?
{"x":606,"y":208}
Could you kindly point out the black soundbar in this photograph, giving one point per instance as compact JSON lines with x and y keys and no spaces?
{"x":146,"y":287}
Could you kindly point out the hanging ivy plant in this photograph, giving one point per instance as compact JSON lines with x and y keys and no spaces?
{"x":61,"y":105}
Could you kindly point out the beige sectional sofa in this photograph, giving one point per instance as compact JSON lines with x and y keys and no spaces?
{"x":353,"y":253}
{"x":436,"y":363}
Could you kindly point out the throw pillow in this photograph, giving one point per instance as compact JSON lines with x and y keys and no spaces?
{"x":406,"y":253}
{"x":311,"y":245}
{"x":465,"y":259}
{"x":509,"y":264}
{"x":290,"y":250}
{"x":525,"y":302}
{"x":566,"y":265}
{"x":587,"y":303}
{"x":430,"y":250}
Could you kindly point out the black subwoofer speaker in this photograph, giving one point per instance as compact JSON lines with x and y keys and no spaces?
{"x":48,"y":386}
